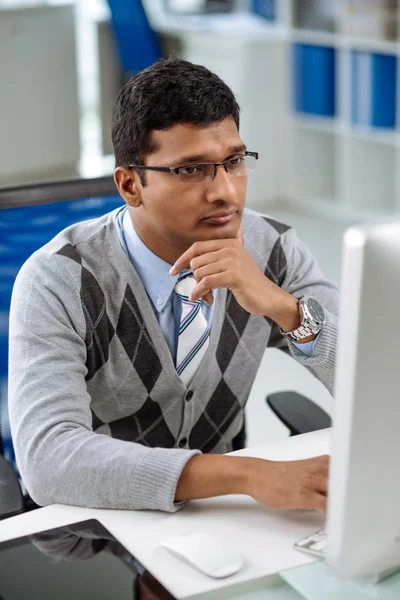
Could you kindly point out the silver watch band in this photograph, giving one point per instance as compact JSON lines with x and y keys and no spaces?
{"x":298,"y":334}
{"x":312,"y":319}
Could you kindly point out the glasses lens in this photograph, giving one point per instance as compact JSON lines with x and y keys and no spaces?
{"x":198,"y":173}
{"x":195,"y":173}
{"x":240,"y":165}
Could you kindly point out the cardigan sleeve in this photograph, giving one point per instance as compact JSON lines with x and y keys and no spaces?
{"x":60,"y":458}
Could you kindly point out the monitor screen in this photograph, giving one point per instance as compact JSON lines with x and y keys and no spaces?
{"x":82,"y":561}
{"x":364,"y":490}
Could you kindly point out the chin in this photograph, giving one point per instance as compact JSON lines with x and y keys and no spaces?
{"x":219,"y":232}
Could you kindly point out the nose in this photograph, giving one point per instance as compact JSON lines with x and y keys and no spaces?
{"x":222,"y":187}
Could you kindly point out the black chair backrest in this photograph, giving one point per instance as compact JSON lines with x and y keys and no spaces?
{"x":55,"y":191}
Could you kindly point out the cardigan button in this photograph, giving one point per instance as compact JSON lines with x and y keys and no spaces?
{"x":189,"y":395}
{"x":182,"y":442}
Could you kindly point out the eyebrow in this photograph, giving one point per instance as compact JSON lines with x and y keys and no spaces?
{"x":203,"y":157}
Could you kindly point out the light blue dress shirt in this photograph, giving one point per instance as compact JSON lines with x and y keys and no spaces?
{"x":159,"y":284}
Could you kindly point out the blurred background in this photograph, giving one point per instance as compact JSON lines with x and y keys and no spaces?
{"x":317,"y":81}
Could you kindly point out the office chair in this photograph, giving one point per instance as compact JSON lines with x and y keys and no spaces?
{"x":298,"y":413}
{"x":11,"y":498}
{"x":29,"y":224}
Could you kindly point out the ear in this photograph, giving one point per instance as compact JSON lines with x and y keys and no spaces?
{"x":129,"y":185}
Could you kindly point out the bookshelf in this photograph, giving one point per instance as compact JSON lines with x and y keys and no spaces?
{"x":343,"y":88}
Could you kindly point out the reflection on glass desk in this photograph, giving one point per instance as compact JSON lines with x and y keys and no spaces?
{"x":81,"y":561}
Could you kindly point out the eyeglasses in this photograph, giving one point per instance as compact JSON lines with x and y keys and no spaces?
{"x":236,"y":166}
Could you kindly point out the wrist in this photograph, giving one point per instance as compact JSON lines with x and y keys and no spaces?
{"x":210,"y":475}
{"x":285,"y":312}
{"x":254,"y":469}
{"x":245,"y":474}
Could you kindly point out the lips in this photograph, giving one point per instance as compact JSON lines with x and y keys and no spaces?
{"x":221,"y":217}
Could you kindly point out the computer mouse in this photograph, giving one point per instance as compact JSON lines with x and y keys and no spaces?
{"x":206,"y":552}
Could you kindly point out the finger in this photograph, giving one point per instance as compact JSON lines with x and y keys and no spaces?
{"x":209,"y":283}
{"x":211,"y":269}
{"x":321,"y":485}
{"x":205,"y":259}
{"x":208,"y":298}
{"x":197,"y":249}
{"x":324,"y":463}
{"x":319,"y":464}
{"x":319,"y":502}
{"x":324,"y":458}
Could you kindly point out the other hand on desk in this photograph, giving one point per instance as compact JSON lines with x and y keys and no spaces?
{"x":300,"y":484}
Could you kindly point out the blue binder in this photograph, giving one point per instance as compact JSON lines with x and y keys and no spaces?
{"x":373,"y":89}
{"x":314,"y":79}
{"x":264,"y":8}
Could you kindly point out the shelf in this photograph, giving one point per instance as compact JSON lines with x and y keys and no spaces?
{"x":370,"y":177}
{"x":345,"y":144}
{"x":368,"y":44}
{"x":314,"y":37}
{"x":316,"y":123}
{"x":313,"y":163}
{"x":345,"y":42}
{"x":373,"y":135}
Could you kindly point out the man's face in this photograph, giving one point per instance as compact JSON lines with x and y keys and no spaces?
{"x":178,"y":214}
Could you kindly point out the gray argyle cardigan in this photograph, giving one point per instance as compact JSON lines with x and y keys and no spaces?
{"x":99,"y":416}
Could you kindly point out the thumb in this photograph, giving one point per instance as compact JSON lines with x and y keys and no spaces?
{"x":208,"y":298}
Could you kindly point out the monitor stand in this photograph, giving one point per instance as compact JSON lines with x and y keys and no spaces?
{"x":383,"y":575}
{"x":316,"y":581}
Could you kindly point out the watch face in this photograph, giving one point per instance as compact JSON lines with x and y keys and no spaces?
{"x":315,"y":311}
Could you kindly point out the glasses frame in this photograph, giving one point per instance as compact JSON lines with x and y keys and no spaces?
{"x":175,"y":170}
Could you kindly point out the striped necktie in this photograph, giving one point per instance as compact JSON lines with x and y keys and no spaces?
{"x":194,"y":333}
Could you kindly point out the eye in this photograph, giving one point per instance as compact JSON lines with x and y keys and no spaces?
{"x":190,"y":170}
{"x":234,"y":162}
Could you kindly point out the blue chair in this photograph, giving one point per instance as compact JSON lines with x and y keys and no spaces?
{"x":26,"y":224}
{"x":138,"y":45}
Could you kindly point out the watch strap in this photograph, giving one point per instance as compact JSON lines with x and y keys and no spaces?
{"x":305,"y":329}
{"x":299,"y":334}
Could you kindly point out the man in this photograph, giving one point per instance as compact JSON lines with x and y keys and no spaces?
{"x":135,"y":337}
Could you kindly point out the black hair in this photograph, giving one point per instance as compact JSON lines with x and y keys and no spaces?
{"x":171,"y":91}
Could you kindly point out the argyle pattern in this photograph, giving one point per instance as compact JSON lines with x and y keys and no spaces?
{"x":126,"y":374}
{"x":88,"y":355}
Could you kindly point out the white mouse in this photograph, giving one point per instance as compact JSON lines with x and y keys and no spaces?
{"x":205,"y":552}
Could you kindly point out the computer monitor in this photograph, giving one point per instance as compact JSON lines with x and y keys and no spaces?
{"x":363,"y":524}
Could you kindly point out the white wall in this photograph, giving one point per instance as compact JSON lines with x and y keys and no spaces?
{"x":39,"y":115}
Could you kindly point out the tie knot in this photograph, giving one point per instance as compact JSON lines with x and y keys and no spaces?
{"x":184,"y":287}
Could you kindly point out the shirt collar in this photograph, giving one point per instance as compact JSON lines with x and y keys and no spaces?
{"x":153,"y":270}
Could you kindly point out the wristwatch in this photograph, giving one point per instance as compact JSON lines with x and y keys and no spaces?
{"x":312,"y":319}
